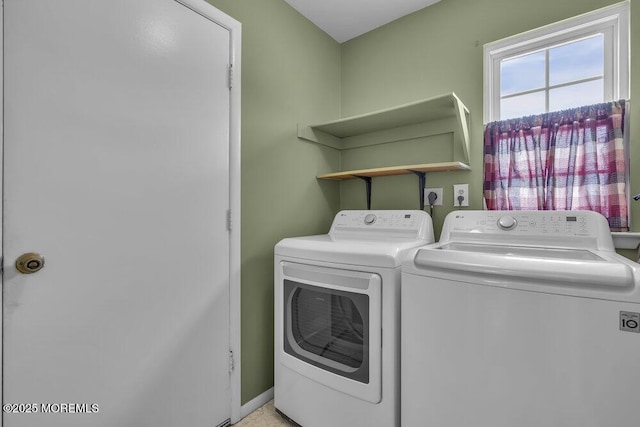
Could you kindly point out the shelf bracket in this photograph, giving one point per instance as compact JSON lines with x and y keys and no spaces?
{"x":422,"y":180}
{"x":367,"y":180}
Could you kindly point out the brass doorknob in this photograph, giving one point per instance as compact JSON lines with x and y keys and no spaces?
{"x":29,"y":263}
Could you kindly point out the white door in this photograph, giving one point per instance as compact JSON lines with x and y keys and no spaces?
{"x":116,"y":170}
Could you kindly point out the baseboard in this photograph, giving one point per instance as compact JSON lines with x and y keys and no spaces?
{"x":256,"y":402}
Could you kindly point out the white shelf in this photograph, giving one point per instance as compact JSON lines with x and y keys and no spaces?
{"x":442,"y":114}
{"x":409,"y":120}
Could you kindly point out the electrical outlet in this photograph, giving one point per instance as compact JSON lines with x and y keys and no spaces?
{"x":460,"y":195}
{"x":438,"y":201}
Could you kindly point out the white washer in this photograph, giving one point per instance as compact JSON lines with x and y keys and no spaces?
{"x":526,"y":319}
{"x":337,"y":329}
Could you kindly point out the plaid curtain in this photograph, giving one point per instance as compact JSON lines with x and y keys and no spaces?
{"x":566,"y":160}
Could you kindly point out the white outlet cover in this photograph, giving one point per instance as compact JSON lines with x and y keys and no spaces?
{"x":460,"y":190}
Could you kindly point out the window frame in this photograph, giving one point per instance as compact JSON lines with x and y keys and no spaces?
{"x":613,"y":21}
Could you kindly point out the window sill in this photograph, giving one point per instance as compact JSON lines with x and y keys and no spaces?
{"x":626,"y":240}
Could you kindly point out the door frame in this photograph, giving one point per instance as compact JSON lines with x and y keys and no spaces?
{"x":234,"y":27}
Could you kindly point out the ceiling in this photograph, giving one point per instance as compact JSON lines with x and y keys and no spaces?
{"x":346,"y":19}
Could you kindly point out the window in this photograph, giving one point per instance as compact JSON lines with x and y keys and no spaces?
{"x":555,"y":117}
{"x":579,"y":61}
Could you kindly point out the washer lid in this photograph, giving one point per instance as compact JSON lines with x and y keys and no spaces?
{"x":573,"y":268}
{"x":557,"y":252}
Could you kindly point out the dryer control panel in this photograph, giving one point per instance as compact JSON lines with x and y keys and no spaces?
{"x":413,"y":224}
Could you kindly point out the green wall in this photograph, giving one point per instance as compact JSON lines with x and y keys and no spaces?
{"x":293,"y":72}
{"x":439,"y":50}
{"x":290,"y":74}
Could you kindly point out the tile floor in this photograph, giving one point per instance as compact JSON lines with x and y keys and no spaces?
{"x":264,"y":416}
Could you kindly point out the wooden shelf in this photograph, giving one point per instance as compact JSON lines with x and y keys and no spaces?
{"x":396,"y":170}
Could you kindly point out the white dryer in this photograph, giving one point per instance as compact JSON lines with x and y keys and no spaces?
{"x":337,"y":330}
{"x":526,"y":319}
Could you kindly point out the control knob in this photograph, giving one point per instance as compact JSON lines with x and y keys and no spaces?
{"x":507,"y":223}
{"x":369,"y":219}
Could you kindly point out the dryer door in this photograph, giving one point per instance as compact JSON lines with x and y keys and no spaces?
{"x":332,"y":327}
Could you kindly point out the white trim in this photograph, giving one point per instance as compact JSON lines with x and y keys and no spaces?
{"x":235,"y":30}
{"x":255,"y":403}
{"x":210,"y":12}
{"x":613,"y":18}
{"x":627,"y":160}
{"x":235,"y":260}
{"x":2,"y":200}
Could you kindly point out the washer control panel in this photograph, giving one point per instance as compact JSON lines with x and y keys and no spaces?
{"x":574,"y":223}
{"x":409,"y":223}
{"x":528,"y":227}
